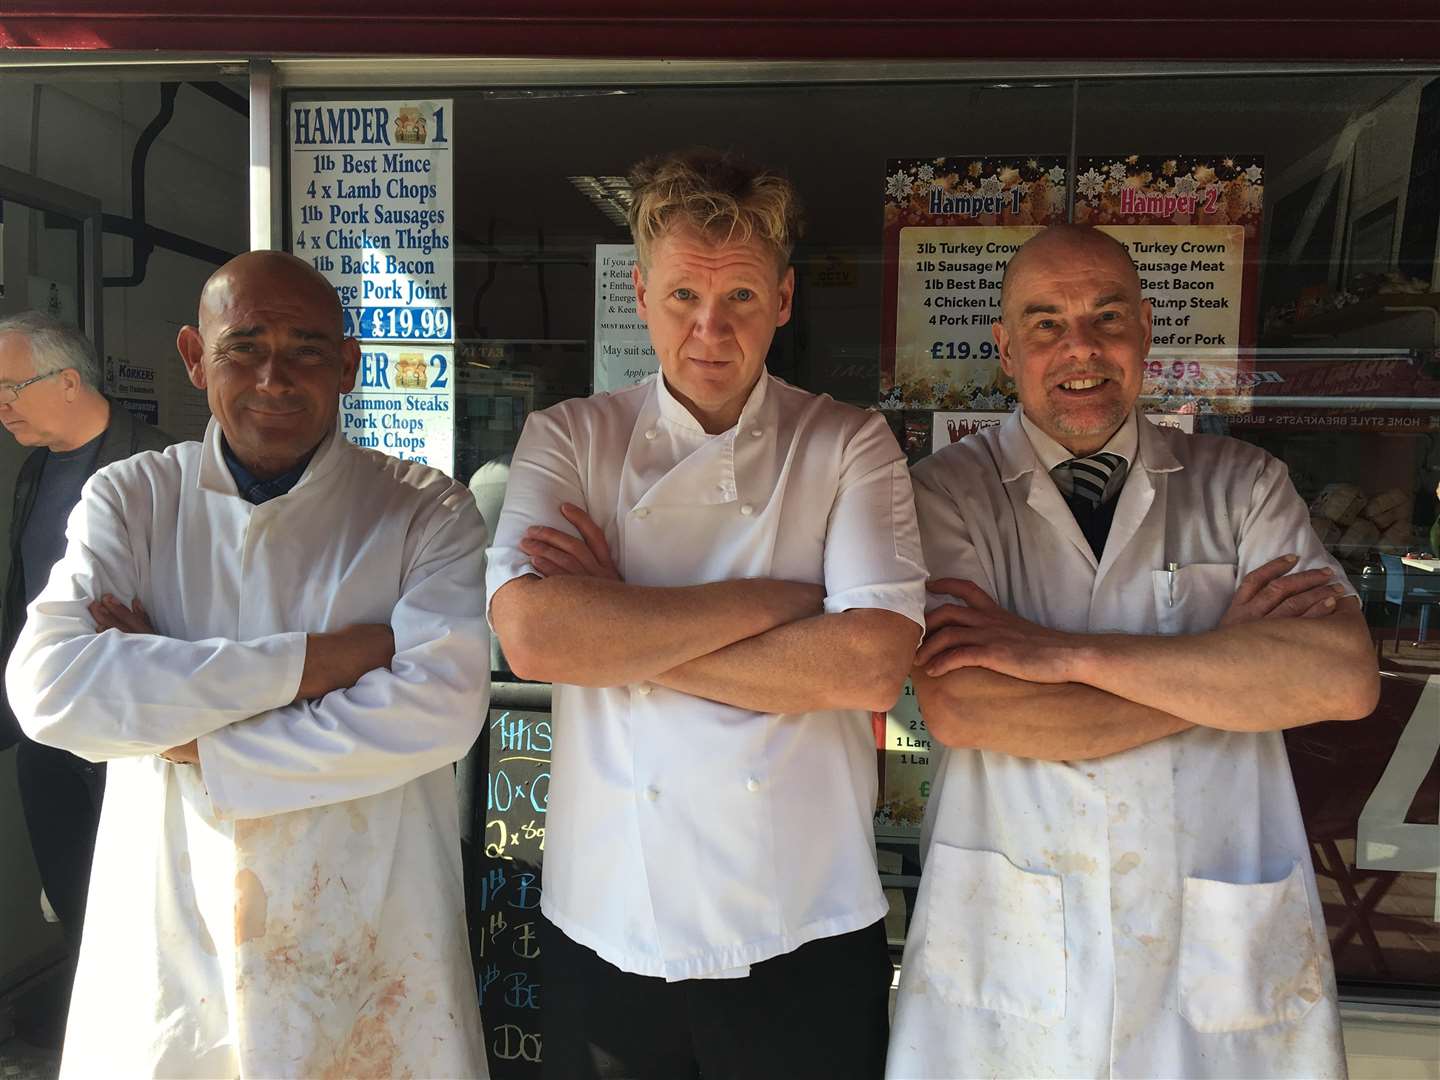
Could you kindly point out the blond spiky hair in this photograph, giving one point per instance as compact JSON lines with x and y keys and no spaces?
{"x":719,"y":194}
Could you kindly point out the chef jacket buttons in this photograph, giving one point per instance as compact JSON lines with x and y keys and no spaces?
{"x":652,"y":793}
{"x":642,"y":512}
{"x":755,"y":433}
{"x":651,"y":433}
{"x":752,"y":784}
{"x":645,"y":689}
{"x":747,"y":509}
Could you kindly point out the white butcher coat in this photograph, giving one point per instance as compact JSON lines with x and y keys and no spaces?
{"x":294,"y":907}
{"x":1151,"y":913}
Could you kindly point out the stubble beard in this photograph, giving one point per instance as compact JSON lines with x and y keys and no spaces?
{"x":1090,"y":421}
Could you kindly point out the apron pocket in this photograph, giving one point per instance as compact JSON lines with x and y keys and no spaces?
{"x":995,"y":934}
{"x":1196,"y":599}
{"x":1248,"y":954}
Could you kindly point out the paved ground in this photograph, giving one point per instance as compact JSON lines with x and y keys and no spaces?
{"x":36,"y":1006}
{"x":21,"y":1061}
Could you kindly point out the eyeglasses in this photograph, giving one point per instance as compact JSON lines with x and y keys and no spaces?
{"x":10,"y":392}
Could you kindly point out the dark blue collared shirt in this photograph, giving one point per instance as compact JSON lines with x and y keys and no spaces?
{"x":256,"y":491}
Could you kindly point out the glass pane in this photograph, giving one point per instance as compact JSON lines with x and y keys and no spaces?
{"x":1332,"y":368}
{"x":47,"y":271}
{"x":533,"y":213}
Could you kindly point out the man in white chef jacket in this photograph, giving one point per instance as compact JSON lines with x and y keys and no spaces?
{"x":271,"y":636}
{"x":721,"y":574}
{"x":1117,"y":880}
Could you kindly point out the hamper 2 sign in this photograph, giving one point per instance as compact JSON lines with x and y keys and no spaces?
{"x":1192,"y":226}
{"x":403,"y":404}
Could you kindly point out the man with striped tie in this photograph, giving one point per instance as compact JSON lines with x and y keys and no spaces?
{"x":1117,"y":880}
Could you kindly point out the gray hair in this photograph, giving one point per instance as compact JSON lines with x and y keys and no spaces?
{"x":55,"y":346}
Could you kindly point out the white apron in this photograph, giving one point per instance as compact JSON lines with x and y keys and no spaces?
{"x":1148,"y":914}
{"x":294,"y":907}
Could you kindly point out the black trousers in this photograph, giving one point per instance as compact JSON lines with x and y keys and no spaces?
{"x":821,"y":1011}
{"x":61,"y":796}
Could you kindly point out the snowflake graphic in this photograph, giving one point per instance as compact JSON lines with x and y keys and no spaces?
{"x":925,"y":173}
{"x":1057,"y":174}
{"x":1091,"y":183}
{"x":994,"y":402}
{"x":1024,"y":187}
{"x":898,"y":186}
{"x":1253,"y":174}
{"x":940,"y":390}
{"x":1185,"y":185}
{"x":1117,"y":171}
{"x":991,"y":187}
{"x":892,"y":398}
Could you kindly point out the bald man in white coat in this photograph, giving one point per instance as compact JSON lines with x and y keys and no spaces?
{"x":277,"y":640}
{"x":1117,"y":880}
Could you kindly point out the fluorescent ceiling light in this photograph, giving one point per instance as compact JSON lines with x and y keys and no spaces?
{"x":610,"y":194}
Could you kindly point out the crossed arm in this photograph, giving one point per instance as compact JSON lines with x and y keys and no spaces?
{"x":333,"y":661}
{"x":756,"y":644}
{"x":281,"y":722}
{"x":1288,"y":652}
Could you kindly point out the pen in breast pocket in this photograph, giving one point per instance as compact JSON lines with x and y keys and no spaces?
{"x":1170,"y":570}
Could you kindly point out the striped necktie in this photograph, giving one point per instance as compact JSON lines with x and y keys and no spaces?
{"x":1088,"y":476}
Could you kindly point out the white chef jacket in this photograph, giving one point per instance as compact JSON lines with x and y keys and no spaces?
{"x":686,"y":838}
{"x":295,"y":906}
{"x":1154,"y":912}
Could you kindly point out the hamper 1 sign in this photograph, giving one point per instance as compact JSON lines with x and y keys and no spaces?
{"x":370,"y":207}
{"x":951,"y":226}
{"x":1192,"y":225}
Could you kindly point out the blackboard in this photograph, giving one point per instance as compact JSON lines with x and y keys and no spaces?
{"x":504,"y":885}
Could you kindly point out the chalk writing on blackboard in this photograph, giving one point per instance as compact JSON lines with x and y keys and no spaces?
{"x":508,"y":892}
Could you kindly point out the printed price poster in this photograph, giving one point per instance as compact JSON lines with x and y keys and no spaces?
{"x":404,"y":404}
{"x":623,"y":355}
{"x":951,"y":225}
{"x":909,"y":766}
{"x":1192,"y":225}
{"x":371,"y":203}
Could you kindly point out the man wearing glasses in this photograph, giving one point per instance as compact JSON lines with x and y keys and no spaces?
{"x":50,"y":399}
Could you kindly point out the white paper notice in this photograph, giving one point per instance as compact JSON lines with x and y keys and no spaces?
{"x":371,"y":202}
{"x":623,"y":355}
{"x":404,"y":404}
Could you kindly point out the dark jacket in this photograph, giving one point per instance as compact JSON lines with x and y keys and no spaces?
{"x":125,"y":436}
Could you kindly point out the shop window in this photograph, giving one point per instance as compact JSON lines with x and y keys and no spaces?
{"x":1305,"y":319}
